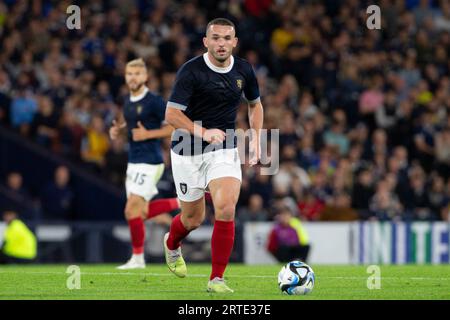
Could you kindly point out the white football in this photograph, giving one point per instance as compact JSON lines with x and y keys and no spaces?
{"x":296,"y":278}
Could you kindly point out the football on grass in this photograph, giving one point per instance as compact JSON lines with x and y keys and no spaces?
{"x":296,"y":278}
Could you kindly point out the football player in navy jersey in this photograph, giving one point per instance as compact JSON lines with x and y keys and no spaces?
{"x":202,"y":107}
{"x":143,"y":116}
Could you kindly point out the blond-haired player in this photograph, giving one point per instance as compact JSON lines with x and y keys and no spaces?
{"x":143,"y":116}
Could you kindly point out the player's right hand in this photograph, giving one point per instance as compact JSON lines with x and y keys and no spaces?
{"x":115,"y":129}
{"x":214,"y":136}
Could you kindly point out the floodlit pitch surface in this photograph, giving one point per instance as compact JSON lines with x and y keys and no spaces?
{"x":249,"y":282}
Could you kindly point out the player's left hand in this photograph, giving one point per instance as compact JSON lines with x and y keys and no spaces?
{"x":140,"y":133}
{"x":254,"y":152}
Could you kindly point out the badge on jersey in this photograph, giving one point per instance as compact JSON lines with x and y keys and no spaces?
{"x":239,"y":83}
{"x":139,"y":109}
{"x":183,"y":187}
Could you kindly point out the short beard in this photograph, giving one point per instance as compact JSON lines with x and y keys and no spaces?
{"x":221,"y":59}
{"x":139,"y":86}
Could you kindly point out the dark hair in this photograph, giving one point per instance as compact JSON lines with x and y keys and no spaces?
{"x":220,"y":22}
{"x":10,"y":211}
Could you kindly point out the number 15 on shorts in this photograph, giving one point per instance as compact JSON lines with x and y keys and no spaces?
{"x":138,"y":178}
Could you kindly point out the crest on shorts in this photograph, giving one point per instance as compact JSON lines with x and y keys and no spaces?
{"x":139,"y":109}
{"x":239,"y":83}
{"x":183,"y":187}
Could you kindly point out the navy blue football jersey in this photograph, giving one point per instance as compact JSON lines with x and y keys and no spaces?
{"x":150,"y":111}
{"x":212,"y":95}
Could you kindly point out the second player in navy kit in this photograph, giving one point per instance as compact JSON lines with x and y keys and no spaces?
{"x":143,"y":116}
{"x":148,"y":113}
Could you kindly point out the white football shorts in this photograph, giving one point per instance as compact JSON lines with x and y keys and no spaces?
{"x":192,"y":174}
{"x":142,"y":179}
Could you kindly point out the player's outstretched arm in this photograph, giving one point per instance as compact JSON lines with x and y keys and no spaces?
{"x":256,"y":119}
{"x":178,"y":120}
{"x":141,"y":133}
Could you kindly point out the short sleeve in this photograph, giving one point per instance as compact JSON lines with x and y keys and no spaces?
{"x":160,"y":109}
{"x":182,"y":89}
{"x":251,"y":89}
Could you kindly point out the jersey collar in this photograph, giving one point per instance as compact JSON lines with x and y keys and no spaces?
{"x":218,"y":69}
{"x":139,"y":97}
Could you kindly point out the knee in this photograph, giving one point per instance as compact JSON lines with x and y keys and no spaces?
{"x":192,"y":223}
{"x":225,"y":211}
{"x":132,"y":210}
{"x":130,"y":214}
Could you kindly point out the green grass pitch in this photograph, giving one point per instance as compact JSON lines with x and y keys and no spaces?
{"x":249,"y":282}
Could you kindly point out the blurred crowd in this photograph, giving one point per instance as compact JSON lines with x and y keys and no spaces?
{"x":55,"y":201}
{"x":364,"y":115}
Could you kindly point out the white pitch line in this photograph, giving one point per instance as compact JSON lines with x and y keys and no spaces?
{"x":228,"y":276}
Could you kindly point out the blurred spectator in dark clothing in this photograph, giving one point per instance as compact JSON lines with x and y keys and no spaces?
{"x":245,"y":194}
{"x":307,"y":155}
{"x":386,"y":116}
{"x":424,"y":141}
{"x":5,"y":103}
{"x":57,"y":90}
{"x":360,"y":135}
{"x":355,"y":157}
{"x":400,"y":153}
{"x":116,"y":160}
{"x":45,"y":122}
{"x":254,"y":212}
{"x":384,"y":204}
{"x":445,"y":212}
{"x":404,"y":125}
{"x":288,"y":239}
{"x":71,"y":134}
{"x":289,"y":171}
{"x":379,"y":168}
{"x":18,"y":197}
{"x":379,"y":145}
{"x":57,"y":198}
{"x":350,"y":89}
{"x":288,"y":133}
{"x":363,"y":190}
{"x":5,"y":99}
{"x":437,"y":197}
{"x":320,"y":187}
{"x":261,"y":184}
{"x":103,"y":92}
{"x":442,"y":151}
{"x":401,"y":176}
{"x":14,"y":183}
{"x":419,"y":202}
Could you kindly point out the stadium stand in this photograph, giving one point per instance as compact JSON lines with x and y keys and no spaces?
{"x":364,"y":115}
